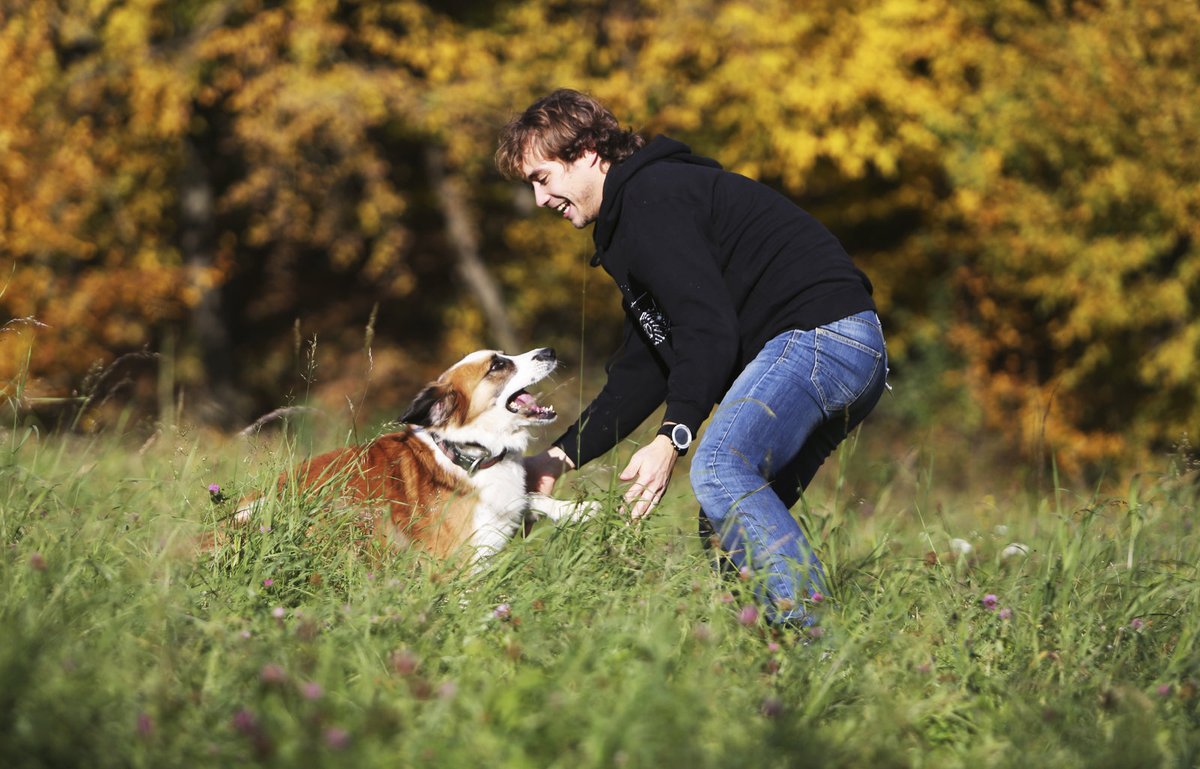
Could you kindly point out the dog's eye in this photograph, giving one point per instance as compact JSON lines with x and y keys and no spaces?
{"x":498,"y":364}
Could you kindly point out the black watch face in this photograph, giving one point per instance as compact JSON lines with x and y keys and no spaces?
{"x":681,"y":436}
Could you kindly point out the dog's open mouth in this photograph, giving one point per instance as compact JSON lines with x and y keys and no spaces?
{"x":527,"y":406}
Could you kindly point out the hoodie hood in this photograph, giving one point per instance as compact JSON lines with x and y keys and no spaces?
{"x":659,"y":149}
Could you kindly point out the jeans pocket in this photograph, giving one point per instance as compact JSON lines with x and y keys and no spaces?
{"x":847,"y":356}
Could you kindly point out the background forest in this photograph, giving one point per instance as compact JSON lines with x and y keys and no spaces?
{"x":209,"y":209}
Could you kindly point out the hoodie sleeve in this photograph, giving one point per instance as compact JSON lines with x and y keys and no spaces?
{"x":637,"y":382}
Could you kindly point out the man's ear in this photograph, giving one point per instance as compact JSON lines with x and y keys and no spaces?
{"x":593,"y":159}
{"x":432,"y":407}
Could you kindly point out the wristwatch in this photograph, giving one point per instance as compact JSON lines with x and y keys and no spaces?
{"x":680,"y":435}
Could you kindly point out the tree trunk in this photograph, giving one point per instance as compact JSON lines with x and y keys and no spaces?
{"x":463,"y":235}
{"x":218,"y":400}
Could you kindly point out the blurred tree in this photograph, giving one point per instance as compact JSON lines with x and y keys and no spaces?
{"x":309,"y":163}
{"x":1075,"y":215}
{"x":90,"y":133}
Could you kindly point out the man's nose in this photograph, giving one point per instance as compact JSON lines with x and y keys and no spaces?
{"x":540,"y":196}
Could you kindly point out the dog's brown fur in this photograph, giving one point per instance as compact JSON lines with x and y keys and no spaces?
{"x":426,"y":505}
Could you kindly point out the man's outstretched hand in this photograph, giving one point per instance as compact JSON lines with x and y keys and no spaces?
{"x":650,"y":470}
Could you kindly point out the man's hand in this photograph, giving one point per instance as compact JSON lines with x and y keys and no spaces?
{"x":650,"y":470}
{"x":542,"y":470}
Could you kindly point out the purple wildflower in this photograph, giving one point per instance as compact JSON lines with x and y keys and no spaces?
{"x":37,"y":562}
{"x":817,"y":597}
{"x":1006,"y":613}
{"x":268,"y":582}
{"x":748,"y":615}
{"x":502,"y":612}
{"x":404,"y":662}
{"x":990,"y":601}
{"x":311,"y":690}
{"x":337,"y":738}
{"x":272,"y":674}
{"x":245,"y":722}
{"x":1136,"y":623}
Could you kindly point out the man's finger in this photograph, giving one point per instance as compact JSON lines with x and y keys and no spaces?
{"x":637,"y":491}
{"x":644,"y":504}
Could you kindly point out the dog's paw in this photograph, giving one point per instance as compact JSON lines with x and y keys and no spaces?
{"x":586,"y":509}
{"x":542,"y":506}
{"x":245,"y":512}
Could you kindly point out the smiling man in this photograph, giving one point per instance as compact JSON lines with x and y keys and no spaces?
{"x":734,"y":297}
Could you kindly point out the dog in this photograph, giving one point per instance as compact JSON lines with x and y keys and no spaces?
{"x":451,"y":482}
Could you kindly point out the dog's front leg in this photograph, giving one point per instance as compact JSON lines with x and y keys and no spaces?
{"x":543,"y":506}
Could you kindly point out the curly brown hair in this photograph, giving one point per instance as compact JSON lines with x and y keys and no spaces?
{"x":562,"y":126}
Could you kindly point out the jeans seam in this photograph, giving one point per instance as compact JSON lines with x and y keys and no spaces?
{"x":791,"y":337}
{"x":829,"y":411}
{"x":846,"y":340}
{"x":753,"y":533}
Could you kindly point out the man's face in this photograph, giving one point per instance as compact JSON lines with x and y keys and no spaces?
{"x":573,"y":189}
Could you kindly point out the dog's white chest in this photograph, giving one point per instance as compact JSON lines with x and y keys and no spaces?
{"x":501,"y":507}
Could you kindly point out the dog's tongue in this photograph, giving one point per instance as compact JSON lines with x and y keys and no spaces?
{"x":527,"y":406}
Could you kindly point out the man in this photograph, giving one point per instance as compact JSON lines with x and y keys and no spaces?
{"x":733,"y":296}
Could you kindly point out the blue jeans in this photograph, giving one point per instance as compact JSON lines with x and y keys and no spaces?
{"x":786,"y":412}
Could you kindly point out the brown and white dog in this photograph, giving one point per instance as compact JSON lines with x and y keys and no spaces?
{"x":452,"y":481}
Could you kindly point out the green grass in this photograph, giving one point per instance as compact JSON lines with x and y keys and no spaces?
{"x":612,"y":645}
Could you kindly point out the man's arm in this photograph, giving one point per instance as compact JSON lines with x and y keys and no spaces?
{"x":636,"y":386}
{"x":542,"y":470}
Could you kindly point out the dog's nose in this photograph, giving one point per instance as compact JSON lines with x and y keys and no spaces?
{"x":545,"y":353}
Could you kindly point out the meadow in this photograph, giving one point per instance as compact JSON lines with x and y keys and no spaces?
{"x":966,"y":627}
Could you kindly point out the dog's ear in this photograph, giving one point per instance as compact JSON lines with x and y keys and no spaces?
{"x":432,"y":407}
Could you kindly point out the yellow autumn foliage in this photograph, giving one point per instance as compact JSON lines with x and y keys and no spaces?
{"x":1020,"y":179}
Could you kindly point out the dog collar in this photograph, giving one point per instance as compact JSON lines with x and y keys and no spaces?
{"x":471,"y":461}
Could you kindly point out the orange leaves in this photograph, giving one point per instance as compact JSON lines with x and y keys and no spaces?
{"x":86,"y":186}
{"x":314,"y":178}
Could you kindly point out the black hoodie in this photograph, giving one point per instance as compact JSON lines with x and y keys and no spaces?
{"x":712,"y":265}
